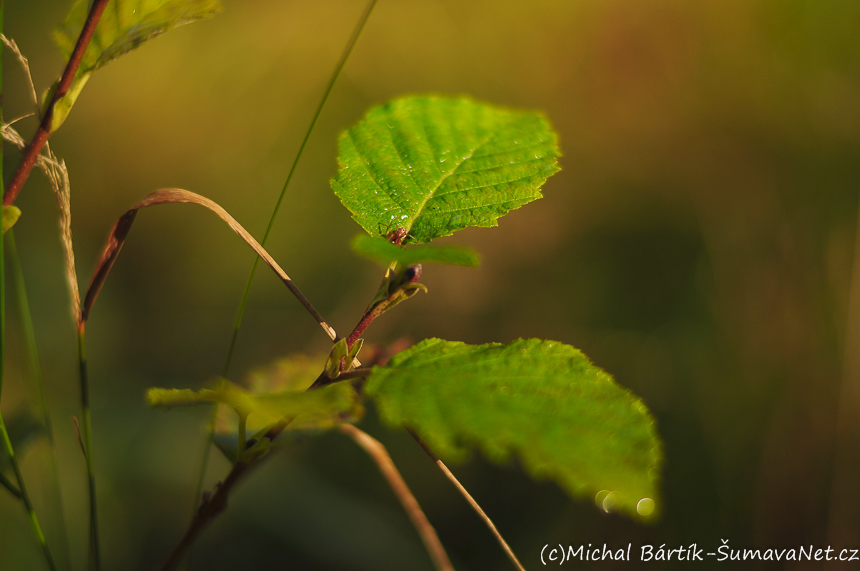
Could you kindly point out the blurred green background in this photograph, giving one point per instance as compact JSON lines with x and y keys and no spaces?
{"x":697,"y":244}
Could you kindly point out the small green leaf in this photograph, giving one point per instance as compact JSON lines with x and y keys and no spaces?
{"x":11,"y":214}
{"x":293,"y":375}
{"x":126,"y":24}
{"x":354,"y":351}
{"x":63,"y":105}
{"x":434,"y":165}
{"x":319,"y":408}
{"x":381,"y":250}
{"x":542,"y":401}
{"x":335,"y":358}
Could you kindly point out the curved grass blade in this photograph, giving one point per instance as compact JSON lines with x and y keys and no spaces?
{"x":120,"y":230}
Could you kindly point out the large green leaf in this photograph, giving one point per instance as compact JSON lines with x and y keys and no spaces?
{"x":543,"y":401}
{"x":434,"y":165}
{"x":126,"y":24}
{"x":381,"y":250}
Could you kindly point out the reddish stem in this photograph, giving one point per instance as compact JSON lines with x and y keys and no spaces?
{"x":366,"y":320}
{"x":209,"y":508}
{"x":31,"y":153}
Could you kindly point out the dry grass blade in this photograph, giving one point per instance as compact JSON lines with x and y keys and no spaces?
{"x":380,"y":455}
{"x":58,"y":177}
{"x":475,"y":506}
{"x":24,"y":64}
{"x":177,"y":195}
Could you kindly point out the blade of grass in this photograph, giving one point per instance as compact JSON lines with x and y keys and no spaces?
{"x":240,"y":313}
{"x":379,"y":454}
{"x":4,"y":434}
{"x":7,"y":483}
{"x":25,"y":497}
{"x":121,"y":227}
{"x":35,"y":371}
{"x":332,"y":80}
{"x":475,"y":506}
{"x":57,"y":174}
{"x":87,"y":430}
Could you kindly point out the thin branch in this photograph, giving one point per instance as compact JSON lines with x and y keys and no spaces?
{"x":472,"y":502}
{"x":34,"y":149}
{"x":380,"y":455}
{"x":210,"y":507}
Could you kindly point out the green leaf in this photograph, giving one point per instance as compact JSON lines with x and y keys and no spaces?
{"x":434,"y":165}
{"x":543,"y":401}
{"x":11,"y":214}
{"x":63,"y":105}
{"x":292,"y":374}
{"x":381,"y":250}
{"x":320,"y":408}
{"x":126,"y":24}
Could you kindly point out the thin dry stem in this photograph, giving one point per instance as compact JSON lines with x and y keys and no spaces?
{"x":481,"y":513}
{"x":25,"y":64}
{"x":380,"y":455}
{"x":120,"y":230}
{"x":472,"y":502}
{"x":58,"y":177}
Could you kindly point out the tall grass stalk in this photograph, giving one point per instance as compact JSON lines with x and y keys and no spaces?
{"x":243,"y":303}
{"x":87,"y":440}
{"x":35,"y":371}
{"x":4,"y":434}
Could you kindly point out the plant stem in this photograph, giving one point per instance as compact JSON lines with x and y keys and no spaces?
{"x":210,"y":507}
{"x":4,"y":434}
{"x":332,"y":80}
{"x":244,"y":302}
{"x":31,"y":153}
{"x":23,"y":308}
{"x":380,"y":455}
{"x":7,"y":483}
{"x":25,"y":497}
{"x":87,"y":430}
{"x":472,"y":502}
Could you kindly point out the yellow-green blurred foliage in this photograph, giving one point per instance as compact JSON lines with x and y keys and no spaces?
{"x":697,"y":245}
